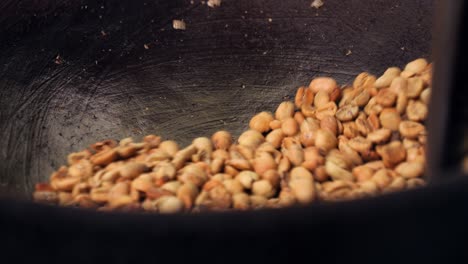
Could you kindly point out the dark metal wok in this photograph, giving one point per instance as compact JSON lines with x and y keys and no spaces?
{"x":76,"y":72}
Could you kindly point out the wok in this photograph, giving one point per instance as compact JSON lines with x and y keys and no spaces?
{"x":76,"y":72}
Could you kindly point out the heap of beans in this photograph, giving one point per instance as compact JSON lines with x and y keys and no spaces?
{"x":332,"y":143}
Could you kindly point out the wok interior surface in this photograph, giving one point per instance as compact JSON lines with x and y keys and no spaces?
{"x":76,"y":72}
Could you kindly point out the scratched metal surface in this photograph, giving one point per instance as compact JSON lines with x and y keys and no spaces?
{"x":230,"y":63}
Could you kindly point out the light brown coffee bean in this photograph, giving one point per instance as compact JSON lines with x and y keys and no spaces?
{"x":373,"y":107}
{"x":325,"y":140}
{"x":425,"y":96}
{"x":284,"y":110}
{"x":295,"y":154}
{"x":222,"y":140}
{"x":126,"y":152}
{"x":193,"y":174}
{"x":308,"y":111}
{"x":187,"y":193}
{"x":308,"y":130}
{"x":415,"y":87}
{"x":410,"y":169}
{"x":380,"y":136}
{"x":386,"y":79}
{"x":350,"y":130}
{"x":170,"y":205}
{"x":132,"y":170}
{"x":382,"y":178}
{"x":386,"y":97}
{"x":363,"y":173}
{"x":323,"y":84}
{"x":365,"y":81}
{"x":257,"y":201}
{"x":320,"y":174}
{"x":289,"y":127}
{"x":251,"y":138}
{"x":104,"y":157}
{"x":399,"y":85}
{"x":302,"y":185}
{"x":390,"y":118}
{"x":312,"y":158}
{"x":361,"y":97}
{"x":275,"y":124}
{"x":172,"y":186}
{"x":275,"y":137}
{"x":402,"y":102}
{"x":328,"y":109}
{"x":363,"y":126}
{"x":246,"y":178}
{"x":335,"y":94}
{"x":264,"y":162}
{"x":303,"y":96}
{"x":338,"y":173}
{"x":299,"y":117}
{"x":417,"y":66}
{"x":347,"y":113}
{"x":321,"y":98}
{"x":78,"y":156}
{"x":329,"y":123}
{"x":170,"y":147}
{"x":374,"y":121}
{"x":416,"y":111}
{"x":241,"y":201}
{"x":284,"y":165}
{"x":411,"y":129}
{"x":82,"y":169}
{"x":392,"y":153}
{"x":261,"y":122}
{"x":360,"y":144}
{"x":263,"y":188}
